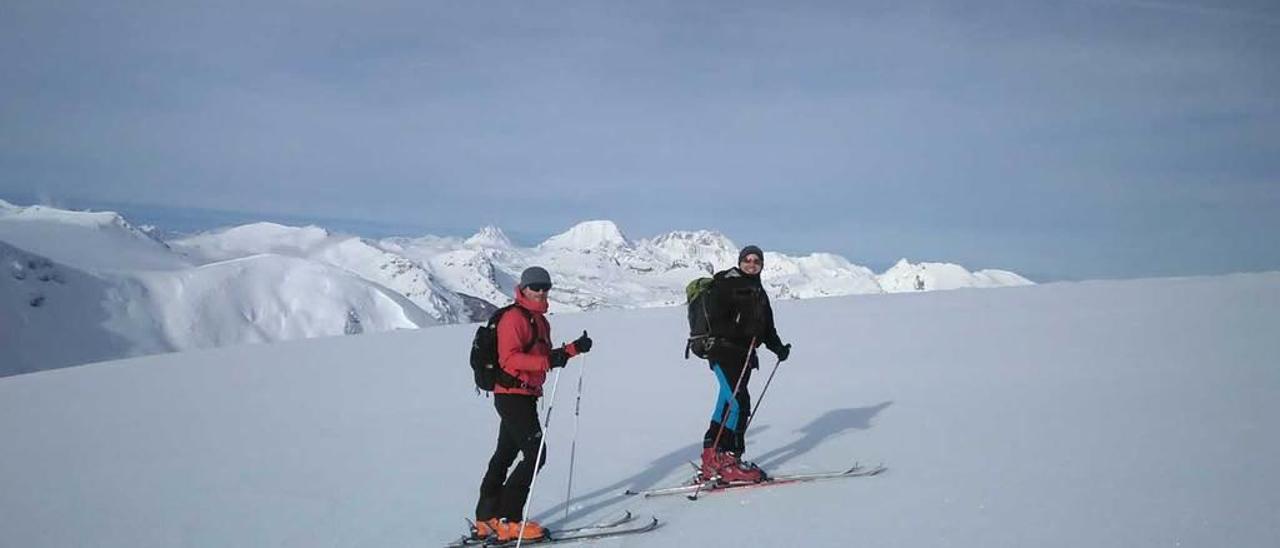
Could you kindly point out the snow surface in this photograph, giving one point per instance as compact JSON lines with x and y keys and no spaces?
{"x":52,"y":315}
{"x":1100,"y":414}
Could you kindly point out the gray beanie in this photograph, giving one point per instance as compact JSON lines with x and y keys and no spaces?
{"x":750,"y":250}
{"x":534,"y":275}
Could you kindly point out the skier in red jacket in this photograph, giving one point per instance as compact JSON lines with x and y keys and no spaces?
{"x":524,"y":352}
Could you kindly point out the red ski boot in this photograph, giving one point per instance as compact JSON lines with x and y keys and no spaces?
{"x":712,"y":462}
{"x":737,"y":471}
{"x":724,"y":467}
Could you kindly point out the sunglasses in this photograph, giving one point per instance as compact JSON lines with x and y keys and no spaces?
{"x":538,"y":288}
{"x":753,"y":260}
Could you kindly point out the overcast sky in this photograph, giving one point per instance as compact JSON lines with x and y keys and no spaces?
{"x":1062,"y":140}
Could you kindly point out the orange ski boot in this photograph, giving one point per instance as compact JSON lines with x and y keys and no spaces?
{"x":484,"y":528}
{"x":509,"y":531}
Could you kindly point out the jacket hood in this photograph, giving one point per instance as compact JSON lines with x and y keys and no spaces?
{"x":530,"y":304}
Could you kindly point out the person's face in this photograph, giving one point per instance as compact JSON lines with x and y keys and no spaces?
{"x":751,"y":264}
{"x":536,"y":292}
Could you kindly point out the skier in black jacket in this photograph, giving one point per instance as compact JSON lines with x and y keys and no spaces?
{"x":741,"y":320}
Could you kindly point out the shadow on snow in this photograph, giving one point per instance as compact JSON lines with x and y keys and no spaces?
{"x":831,"y":423}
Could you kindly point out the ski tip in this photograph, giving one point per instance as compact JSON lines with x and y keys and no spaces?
{"x":858,"y":468}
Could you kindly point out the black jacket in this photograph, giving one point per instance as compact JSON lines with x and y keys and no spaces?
{"x":740,"y":311}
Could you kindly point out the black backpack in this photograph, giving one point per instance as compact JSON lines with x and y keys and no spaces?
{"x":484,"y":352}
{"x":698,"y":300}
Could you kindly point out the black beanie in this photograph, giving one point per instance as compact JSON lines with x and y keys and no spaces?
{"x":750,"y":250}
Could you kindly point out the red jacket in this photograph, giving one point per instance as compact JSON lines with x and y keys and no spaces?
{"x":514,"y":333}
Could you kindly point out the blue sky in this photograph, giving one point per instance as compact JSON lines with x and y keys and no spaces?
{"x":1062,"y":140}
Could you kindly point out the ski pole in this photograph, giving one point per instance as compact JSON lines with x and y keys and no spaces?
{"x":573,"y":446}
{"x":715,"y":445}
{"x":760,"y":399}
{"x":537,"y":461}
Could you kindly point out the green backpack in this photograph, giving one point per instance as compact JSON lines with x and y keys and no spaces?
{"x":698,"y":301}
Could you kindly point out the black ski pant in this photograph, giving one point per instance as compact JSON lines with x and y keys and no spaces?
{"x":734,"y":412}
{"x":503,"y":495}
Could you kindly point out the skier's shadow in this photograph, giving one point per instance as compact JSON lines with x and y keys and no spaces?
{"x":832,"y":423}
{"x":662,"y":468}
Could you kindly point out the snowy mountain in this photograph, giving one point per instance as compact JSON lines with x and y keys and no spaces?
{"x":86,"y":240}
{"x":56,"y":316}
{"x":703,"y":250}
{"x":98,"y":288}
{"x":254,"y":239}
{"x":361,"y":257}
{"x":905,"y":276}
{"x":1099,"y":414}
{"x":490,"y":236}
{"x":587,"y":237}
{"x":265,"y":282}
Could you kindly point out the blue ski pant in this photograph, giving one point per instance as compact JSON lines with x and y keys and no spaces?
{"x":733,"y":412}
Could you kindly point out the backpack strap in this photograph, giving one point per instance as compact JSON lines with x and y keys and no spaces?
{"x":504,"y":378}
{"x":533,"y":325}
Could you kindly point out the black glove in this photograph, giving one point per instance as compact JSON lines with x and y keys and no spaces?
{"x":559,"y":357}
{"x":583,"y":344}
{"x":782,"y":351}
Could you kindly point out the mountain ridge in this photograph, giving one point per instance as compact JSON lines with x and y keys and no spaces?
{"x":432,"y":279}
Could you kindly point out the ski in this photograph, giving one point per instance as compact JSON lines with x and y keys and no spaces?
{"x":626,"y":517}
{"x":856,"y":471}
{"x":612,"y":527}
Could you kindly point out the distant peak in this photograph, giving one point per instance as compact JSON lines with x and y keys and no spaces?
{"x":702,"y":238}
{"x":589,"y":235}
{"x":108,"y":220}
{"x":489,"y":236}
{"x":267,"y":228}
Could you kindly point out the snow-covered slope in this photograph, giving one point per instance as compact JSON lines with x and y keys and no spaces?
{"x":254,"y":239}
{"x":87,"y":286}
{"x":85,"y":240}
{"x":52,"y":315}
{"x":56,"y":316}
{"x":1101,"y":414}
{"x":359,"y":256}
{"x":275,"y":298}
